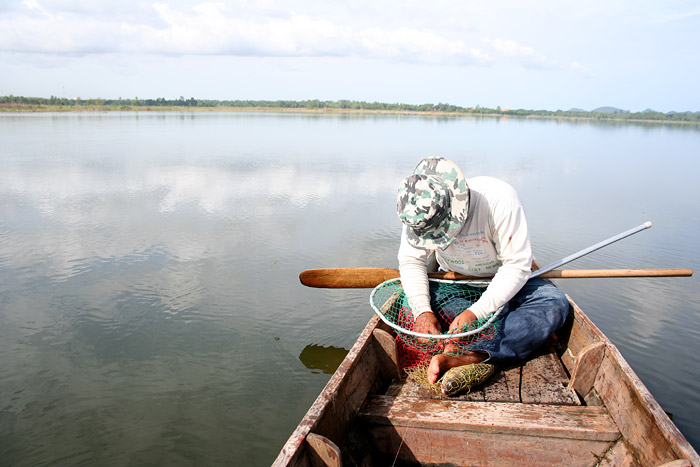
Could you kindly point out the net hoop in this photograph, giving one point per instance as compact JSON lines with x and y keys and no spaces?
{"x":473,"y":283}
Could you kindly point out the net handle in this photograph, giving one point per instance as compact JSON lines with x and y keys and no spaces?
{"x":423,"y":334}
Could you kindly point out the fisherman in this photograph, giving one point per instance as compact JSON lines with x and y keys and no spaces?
{"x":474,"y":227}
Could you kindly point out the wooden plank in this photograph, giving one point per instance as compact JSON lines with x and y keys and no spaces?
{"x":350,"y":395}
{"x":504,"y":385}
{"x":651,"y":435}
{"x":587,"y":364}
{"x":544,"y":381}
{"x":678,"y":463}
{"x":581,"y":332}
{"x":322,"y":451}
{"x":476,"y":395}
{"x":338,"y":401}
{"x":406,"y":445}
{"x":592,"y":398}
{"x":387,"y":352}
{"x":571,"y":422}
{"x":409,"y":388}
{"x":484,"y":433}
{"x":619,"y":454}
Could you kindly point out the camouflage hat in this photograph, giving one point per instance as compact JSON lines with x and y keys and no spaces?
{"x":433,"y":203}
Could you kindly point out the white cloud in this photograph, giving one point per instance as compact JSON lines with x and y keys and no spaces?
{"x":385,"y":50}
{"x":421,"y":45}
{"x":209,"y":28}
{"x":32,"y":5}
{"x":580,"y":68}
{"x":526,"y":55}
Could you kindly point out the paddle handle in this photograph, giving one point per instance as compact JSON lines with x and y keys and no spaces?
{"x":354,"y":278}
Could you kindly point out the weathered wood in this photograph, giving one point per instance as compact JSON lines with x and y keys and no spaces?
{"x":575,"y":422}
{"x":621,"y":423}
{"x":651,"y":435}
{"x":477,"y":433}
{"x":322,"y":451}
{"x":544,"y":381}
{"x":387,"y":352}
{"x":497,"y":390}
{"x":678,"y":463}
{"x":476,"y":394}
{"x":350,"y":396}
{"x":592,"y":398}
{"x":587,"y":363}
{"x":409,"y":388}
{"x":512,"y":377}
{"x":618,"y":455}
{"x":406,"y":445}
{"x":332,"y":412}
{"x":582,"y":333}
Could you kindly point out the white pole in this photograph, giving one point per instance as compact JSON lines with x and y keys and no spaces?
{"x":591,"y":249}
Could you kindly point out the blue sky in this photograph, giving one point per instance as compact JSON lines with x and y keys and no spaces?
{"x":532,"y":54}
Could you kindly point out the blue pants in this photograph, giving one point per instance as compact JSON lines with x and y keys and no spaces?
{"x":526,"y":321}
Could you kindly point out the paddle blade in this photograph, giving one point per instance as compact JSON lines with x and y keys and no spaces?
{"x":347,"y":278}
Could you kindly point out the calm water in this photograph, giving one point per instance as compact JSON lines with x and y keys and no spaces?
{"x":150,"y":309}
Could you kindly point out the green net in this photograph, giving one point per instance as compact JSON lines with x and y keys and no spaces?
{"x":448,"y":299}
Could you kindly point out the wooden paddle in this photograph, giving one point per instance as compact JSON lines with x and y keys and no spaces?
{"x":359,"y":278}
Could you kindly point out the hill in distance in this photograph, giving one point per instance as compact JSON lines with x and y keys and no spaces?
{"x":610,"y":110}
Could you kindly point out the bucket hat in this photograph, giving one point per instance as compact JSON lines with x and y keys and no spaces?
{"x":433,"y":203}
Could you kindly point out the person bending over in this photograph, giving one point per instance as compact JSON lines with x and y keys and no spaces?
{"x":475,"y":227}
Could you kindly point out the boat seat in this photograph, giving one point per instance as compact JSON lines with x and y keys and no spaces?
{"x":511,"y":433}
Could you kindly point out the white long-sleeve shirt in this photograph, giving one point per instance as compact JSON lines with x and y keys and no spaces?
{"x":493,"y":242}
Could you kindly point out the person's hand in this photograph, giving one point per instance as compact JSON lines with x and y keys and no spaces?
{"x":426,"y":323}
{"x":463,"y":318}
{"x":456,"y":326}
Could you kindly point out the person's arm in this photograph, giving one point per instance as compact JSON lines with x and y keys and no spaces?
{"x":512,"y":243}
{"x":414,"y":275}
{"x":414,"y":279}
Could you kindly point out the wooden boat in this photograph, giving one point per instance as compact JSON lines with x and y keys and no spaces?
{"x":577,"y":402}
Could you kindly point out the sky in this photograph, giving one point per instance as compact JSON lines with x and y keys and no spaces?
{"x":516,"y":54}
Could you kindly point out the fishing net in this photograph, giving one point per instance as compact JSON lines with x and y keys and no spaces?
{"x":465,"y":377}
{"x":457,"y":380}
{"x":447,"y":299}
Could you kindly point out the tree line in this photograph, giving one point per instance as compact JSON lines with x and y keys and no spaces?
{"x":314,"y":104}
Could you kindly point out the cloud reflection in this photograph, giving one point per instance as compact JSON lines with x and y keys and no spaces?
{"x":80,"y":192}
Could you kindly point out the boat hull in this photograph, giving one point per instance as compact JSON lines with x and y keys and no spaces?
{"x":577,"y":402}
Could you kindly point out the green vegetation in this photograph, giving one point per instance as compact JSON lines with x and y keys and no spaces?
{"x":59,"y":104}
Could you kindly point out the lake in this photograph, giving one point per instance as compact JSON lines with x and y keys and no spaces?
{"x":150,"y":307}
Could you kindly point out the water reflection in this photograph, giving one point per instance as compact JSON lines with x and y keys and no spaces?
{"x":149,"y":263}
{"x":322,"y":359}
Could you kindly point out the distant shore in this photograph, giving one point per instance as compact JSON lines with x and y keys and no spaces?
{"x":93,"y":108}
{"x":14,"y":108}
